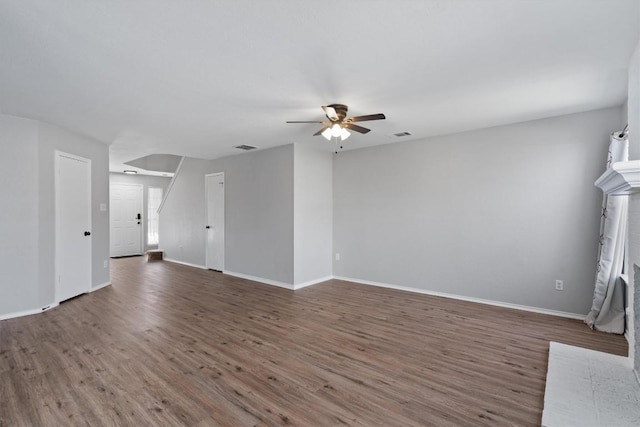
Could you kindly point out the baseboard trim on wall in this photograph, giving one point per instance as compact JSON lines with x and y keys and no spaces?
{"x":312,"y":282}
{"x":27,"y":312}
{"x":185,"y":263}
{"x":627,"y":336}
{"x":465,"y":298}
{"x":104,"y":285}
{"x":260,"y":279}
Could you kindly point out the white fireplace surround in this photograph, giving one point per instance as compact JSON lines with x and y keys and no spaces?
{"x":622,"y":178}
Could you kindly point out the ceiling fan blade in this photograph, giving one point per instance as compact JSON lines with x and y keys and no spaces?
{"x":331,"y":113}
{"x":321,"y":130}
{"x":378,"y":116}
{"x":315,"y":121}
{"x":355,"y":127}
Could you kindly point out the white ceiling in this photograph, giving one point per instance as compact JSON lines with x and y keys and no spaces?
{"x":198,"y":77}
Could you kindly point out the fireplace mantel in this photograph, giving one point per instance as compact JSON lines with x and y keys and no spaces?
{"x":622,"y":178}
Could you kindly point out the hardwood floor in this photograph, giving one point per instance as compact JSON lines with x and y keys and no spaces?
{"x":173,"y":345}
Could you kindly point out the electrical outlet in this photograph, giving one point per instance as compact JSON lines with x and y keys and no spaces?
{"x":337,"y":256}
{"x":559,"y":285}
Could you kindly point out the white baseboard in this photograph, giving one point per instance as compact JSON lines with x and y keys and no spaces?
{"x":185,"y":263}
{"x":104,"y":285}
{"x":465,"y":298}
{"x":312,"y":282}
{"x":276,"y":283}
{"x":27,"y":312}
{"x":46,"y":307}
{"x":260,"y":279}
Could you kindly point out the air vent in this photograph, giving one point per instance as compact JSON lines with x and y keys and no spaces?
{"x":246,"y":147}
{"x":401,"y":134}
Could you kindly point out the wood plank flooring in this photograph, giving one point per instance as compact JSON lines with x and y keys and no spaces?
{"x":168,"y":344}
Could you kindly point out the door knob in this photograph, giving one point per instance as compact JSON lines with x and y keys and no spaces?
{"x":208,"y":227}
{"x":87,"y":233}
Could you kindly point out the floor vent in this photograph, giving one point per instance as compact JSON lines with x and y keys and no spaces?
{"x":246,"y":147}
{"x":154,"y":255}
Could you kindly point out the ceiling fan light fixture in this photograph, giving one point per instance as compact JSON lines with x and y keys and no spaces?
{"x":336,"y":130}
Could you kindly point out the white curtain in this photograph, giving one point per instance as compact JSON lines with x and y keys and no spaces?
{"x":607,"y":311}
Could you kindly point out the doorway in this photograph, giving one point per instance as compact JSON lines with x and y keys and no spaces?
{"x":125,"y":201}
{"x":72,"y":226}
{"x":214,"y":187}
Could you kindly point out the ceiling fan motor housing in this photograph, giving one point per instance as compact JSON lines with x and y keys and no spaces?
{"x":341,"y":111}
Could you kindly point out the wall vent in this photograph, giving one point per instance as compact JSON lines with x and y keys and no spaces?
{"x":401,"y":134}
{"x":246,"y":147}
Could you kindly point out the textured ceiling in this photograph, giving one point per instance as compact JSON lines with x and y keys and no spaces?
{"x":198,"y":77}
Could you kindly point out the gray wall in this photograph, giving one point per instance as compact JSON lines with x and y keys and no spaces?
{"x":259,"y":213}
{"x":182,"y":217}
{"x":146,"y":181}
{"x":496,"y":214}
{"x":313,"y":214}
{"x":19,"y":256}
{"x":28,"y":222}
{"x":268,"y":195}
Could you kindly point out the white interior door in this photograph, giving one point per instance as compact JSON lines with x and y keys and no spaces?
{"x":215,"y":221}
{"x":125,"y":201}
{"x":73,"y":226}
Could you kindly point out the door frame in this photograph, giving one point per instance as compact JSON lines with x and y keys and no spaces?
{"x":57,"y":234}
{"x":143,"y":224}
{"x":224,"y":221}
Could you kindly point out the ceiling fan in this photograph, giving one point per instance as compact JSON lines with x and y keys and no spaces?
{"x":338,"y":123}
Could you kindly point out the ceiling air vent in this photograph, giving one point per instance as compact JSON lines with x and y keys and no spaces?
{"x":246,"y":147}
{"x":401,"y":134}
